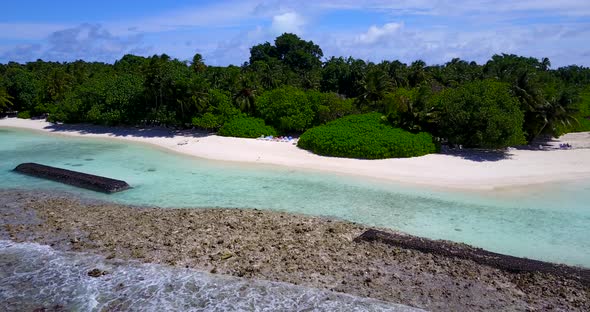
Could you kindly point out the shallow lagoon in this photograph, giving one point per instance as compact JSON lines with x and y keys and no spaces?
{"x":547,"y":222}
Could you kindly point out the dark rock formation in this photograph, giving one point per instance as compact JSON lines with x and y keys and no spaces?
{"x":96,"y":273}
{"x":478,"y":255}
{"x":74,"y":178}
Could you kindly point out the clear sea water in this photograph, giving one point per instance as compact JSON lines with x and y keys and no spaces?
{"x":548,"y":222}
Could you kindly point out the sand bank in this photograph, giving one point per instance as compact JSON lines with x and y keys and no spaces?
{"x":455,"y":169}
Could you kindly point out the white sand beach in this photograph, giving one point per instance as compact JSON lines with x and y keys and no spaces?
{"x":470,"y":170}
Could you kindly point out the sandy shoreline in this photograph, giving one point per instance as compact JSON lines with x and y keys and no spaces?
{"x":461,"y":170}
{"x":308,"y":251}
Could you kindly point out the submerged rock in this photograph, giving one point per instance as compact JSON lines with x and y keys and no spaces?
{"x":97,"y":273}
{"x":79,"y":179}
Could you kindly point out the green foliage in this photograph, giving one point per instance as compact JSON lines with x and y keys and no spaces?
{"x":219,"y":111}
{"x":410,"y":109}
{"x":374,"y":88}
{"x":287,"y":109}
{"x":100,"y":115}
{"x":198,"y":66}
{"x":23,"y":87}
{"x":365,"y":136}
{"x":45,"y":108}
{"x":582,"y":115}
{"x":480,"y":114}
{"x":246,"y":127}
{"x":220,"y":104}
{"x":298,"y":54}
{"x":24,"y":115}
{"x":5,"y":99}
{"x":286,"y":84}
{"x":330,"y":106}
{"x":207,"y":121}
{"x":71,"y":110}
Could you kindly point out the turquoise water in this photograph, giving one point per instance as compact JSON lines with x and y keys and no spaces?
{"x":550,"y":222}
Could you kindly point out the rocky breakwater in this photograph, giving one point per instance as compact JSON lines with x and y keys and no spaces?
{"x":78,"y":179}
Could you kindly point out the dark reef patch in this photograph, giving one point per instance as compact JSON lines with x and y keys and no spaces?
{"x":78,"y":179}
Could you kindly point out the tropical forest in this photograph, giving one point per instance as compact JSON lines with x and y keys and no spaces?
{"x":339,"y":106}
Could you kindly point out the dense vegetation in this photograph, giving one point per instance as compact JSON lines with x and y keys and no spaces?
{"x":508,"y":100}
{"x":486,"y":108}
{"x":246,"y":127}
{"x":365,"y":136}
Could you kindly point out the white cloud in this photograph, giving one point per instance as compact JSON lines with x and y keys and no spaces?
{"x":434,"y":45}
{"x":28,"y":31}
{"x":20,"y":53}
{"x":221,"y":14}
{"x":287,"y":22}
{"x":90,"y":42}
{"x":406,"y":29}
{"x":460,"y":7}
{"x":376,"y":34}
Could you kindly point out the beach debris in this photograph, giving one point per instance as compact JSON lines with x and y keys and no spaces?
{"x":75,"y":178}
{"x":277,"y":139}
{"x":477,"y":255}
{"x":97,"y":273}
{"x":226,"y":256}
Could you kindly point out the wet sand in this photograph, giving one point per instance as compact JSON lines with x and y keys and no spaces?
{"x":303,"y":250}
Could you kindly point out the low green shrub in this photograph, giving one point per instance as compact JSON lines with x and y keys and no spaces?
{"x":207,"y":121}
{"x":246,"y":127}
{"x":24,"y":115}
{"x":365,"y":136}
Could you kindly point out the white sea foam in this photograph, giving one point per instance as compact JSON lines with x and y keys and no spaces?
{"x":34,"y":276}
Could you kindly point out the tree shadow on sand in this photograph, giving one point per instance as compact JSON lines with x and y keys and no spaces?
{"x":541,"y":144}
{"x":478,"y":155}
{"x":140,"y":132}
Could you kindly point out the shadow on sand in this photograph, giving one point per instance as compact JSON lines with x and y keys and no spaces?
{"x":482,"y":155}
{"x":478,"y":155}
{"x":143,"y":132}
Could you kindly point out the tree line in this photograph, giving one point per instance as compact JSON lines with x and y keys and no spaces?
{"x":287,"y":85}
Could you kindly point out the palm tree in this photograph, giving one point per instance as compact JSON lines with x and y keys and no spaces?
{"x":558,"y":112}
{"x":198,"y":65}
{"x":545,"y":64}
{"x":5,"y":99}
{"x":245,"y":100}
{"x":268,"y":76}
{"x":414,"y":114}
{"x":417,"y":73}
{"x":456,"y":72}
{"x":398,"y":73}
{"x":374,"y":87}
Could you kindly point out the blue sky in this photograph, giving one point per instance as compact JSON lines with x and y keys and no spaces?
{"x":223,"y":31}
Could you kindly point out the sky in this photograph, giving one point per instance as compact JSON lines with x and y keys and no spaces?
{"x":223,"y":31}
